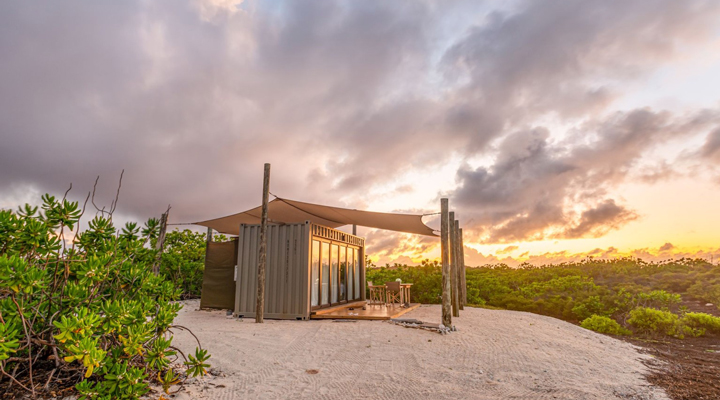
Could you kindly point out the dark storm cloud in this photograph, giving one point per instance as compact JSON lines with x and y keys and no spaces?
{"x":190,"y":99}
{"x":192,"y":108}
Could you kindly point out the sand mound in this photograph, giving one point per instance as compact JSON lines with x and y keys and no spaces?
{"x":494,"y":355}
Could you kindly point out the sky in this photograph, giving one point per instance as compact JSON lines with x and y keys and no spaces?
{"x":557,"y":130}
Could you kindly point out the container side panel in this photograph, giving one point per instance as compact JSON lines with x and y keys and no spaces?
{"x":287,"y":275}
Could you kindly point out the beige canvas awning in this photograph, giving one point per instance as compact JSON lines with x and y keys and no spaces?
{"x":284,"y":211}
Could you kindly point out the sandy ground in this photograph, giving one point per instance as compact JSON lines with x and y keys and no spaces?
{"x":493,"y":355}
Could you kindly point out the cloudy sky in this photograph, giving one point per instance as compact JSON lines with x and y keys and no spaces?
{"x":557,"y":129}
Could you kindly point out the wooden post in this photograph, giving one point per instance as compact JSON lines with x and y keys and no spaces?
{"x":160,"y":242}
{"x":462,"y":272}
{"x":354,"y":230}
{"x":444,"y":247}
{"x":454,"y":265}
{"x":209,"y":235}
{"x":260,"y":303}
{"x":459,"y":266}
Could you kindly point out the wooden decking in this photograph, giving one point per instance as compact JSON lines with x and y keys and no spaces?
{"x":355,"y":311}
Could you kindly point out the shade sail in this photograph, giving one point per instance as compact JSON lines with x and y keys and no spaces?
{"x":284,"y":211}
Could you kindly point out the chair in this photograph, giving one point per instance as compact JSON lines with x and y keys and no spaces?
{"x":377,"y":294}
{"x":394,"y":293}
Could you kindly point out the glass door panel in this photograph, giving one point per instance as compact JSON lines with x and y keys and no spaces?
{"x":334,"y":272}
{"x":356,"y":267}
{"x":343,"y":273}
{"x":325,"y":291}
{"x":350,"y":273}
{"x":315,"y":274}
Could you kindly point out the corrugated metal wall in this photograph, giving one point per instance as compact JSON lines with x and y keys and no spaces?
{"x":286,"y":275}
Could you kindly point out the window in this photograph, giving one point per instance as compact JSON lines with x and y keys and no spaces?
{"x":334,"y":272}
{"x":356,"y":267}
{"x":343,"y":273}
{"x":325,"y":252}
{"x":315,"y":274}
{"x":350,"y":263}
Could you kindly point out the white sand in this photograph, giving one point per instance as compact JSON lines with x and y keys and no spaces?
{"x":493,"y":355}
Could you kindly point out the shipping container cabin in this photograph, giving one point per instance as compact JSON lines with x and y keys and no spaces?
{"x":309,"y":266}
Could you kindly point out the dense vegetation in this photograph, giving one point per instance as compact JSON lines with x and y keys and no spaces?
{"x":83,"y":310}
{"x":183,"y":260}
{"x":610,"y":296}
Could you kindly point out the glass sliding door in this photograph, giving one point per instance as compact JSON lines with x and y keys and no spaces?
{"x":315,"y":274}
{"x":356,"y":268}
{"x":350,"y":258}
{"x":334,"y":272}
{"x":343,"y":273}
{"x":325,"y":290}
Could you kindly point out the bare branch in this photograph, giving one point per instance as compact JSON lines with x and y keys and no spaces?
{"x":117,"y":194}
{"x":67,"y":191}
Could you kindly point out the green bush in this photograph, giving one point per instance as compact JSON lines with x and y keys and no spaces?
{"x":426,"y":279}
{"x":593,"y":305}
{"x":183,"y":260}
{"x":702,"y":321}
{"x":84,"y":309}
{"x":603,"y":324}
{"x":659,"y":299}
{"x":707,"y":289}
{"x":578,"y":290}
{"x":651,"y":321}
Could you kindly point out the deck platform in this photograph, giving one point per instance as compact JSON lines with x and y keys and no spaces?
{"x":371,"y":312}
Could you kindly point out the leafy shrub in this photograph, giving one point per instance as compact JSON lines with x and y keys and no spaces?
{"x":426,"y":279}
{"x":578,"y":290}
{"x":183,"y":260}
{"x":83,"y":308}
{"x":603,"y":324}
{"x":651,"y":321}
{"x":702,"y":321}
{"x":592,"y":306}
{"x":659,"y":299}
{"x":707,"y":289}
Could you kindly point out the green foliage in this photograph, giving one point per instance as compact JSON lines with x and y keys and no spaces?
{"x":426,"y":279}
{"x":168,"y":380}
{"x":707,"y":288}
{"x":183,"y":260}
{"x":702,"y":321}
{"x":9,"y":340}
{"x":604,"y":324}
{"x":197,"y":365}
{"x":651,"y":321}
{"x":578,"y":291}
{"x":658,"y":299}
{"x":85,"y":305}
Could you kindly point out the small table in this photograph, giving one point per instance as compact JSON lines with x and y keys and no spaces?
{"x":405,"y":287}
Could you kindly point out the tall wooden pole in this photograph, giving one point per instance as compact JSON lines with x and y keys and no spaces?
{"x":462,"y":263}
{"x":160,"y":242}
{"x":354,"y":230}
{"x":444,"y":246}
{"x":459,"y":265}
{"x":209,"y":235}
{"x":260,"y":303}
{"x":454,"y":265}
